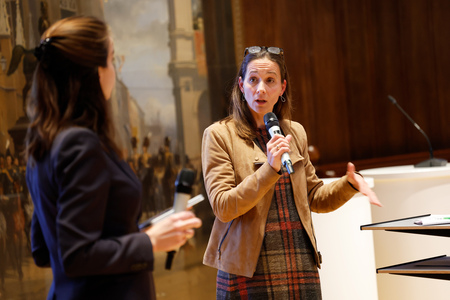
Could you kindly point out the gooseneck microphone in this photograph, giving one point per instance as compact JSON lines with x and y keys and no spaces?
{"x":431,"y":162}
{"x":273,"y":126}
{"x":183,"y":190}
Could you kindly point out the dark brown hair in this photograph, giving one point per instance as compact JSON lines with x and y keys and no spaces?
{"x":239,"y":110}
{"x":66,"y":90}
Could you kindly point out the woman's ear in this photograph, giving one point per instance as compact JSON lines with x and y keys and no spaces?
{"x":283,"y":88}
{"x":241,"y":84}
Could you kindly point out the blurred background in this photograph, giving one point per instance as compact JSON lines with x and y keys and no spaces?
{"x":176,"y":61}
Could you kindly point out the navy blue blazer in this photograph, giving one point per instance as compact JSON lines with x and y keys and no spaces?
{"x":87,"y":203}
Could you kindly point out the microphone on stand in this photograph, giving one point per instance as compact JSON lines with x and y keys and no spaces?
{"x":273,"y":126}
{"x":183,"y":190}
{"x":431,"y":162}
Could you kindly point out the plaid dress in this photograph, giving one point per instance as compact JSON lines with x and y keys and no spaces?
{"x":286,"y":267}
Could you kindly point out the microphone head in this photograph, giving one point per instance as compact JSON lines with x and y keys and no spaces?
{"x":270,"y":119}
{"x":392,"y":99}
{"x":184,"y":181}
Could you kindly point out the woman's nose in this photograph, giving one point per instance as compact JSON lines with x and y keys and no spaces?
{"x":261,"y":88}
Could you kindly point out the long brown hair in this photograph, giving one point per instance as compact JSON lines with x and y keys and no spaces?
{"x":239,"y":110}
{"x":66,"y":90}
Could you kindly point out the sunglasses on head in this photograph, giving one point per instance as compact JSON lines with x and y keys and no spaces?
{"x":257,"y":49}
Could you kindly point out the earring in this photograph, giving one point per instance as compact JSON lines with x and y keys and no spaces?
{"x":242,"y":98}
{"x":282,"y":98}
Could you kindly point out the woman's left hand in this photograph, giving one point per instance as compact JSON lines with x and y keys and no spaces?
{"x":361,"y":185}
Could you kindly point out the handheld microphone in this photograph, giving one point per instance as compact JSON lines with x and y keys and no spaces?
{"x":273,"y":126}
{"x":431,"y":162}
{"x":183,"y":190}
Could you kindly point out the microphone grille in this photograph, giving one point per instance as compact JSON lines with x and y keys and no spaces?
{"x":185,"y":180}
{"x":269,"y":117}
{"x":392,"y":99}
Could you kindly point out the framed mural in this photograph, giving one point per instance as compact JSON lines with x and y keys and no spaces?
{"x":160,"y":105}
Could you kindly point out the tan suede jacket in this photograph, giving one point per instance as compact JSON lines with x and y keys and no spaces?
{"x":240,"y":185}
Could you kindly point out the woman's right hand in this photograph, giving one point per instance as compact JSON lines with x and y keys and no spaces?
{"x":277,"y":145}
{"x":172,"y":232}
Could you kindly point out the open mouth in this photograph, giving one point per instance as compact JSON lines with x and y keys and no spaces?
{"x":261,"y":101}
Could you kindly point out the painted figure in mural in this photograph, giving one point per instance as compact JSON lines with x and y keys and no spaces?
{"x":134,"y":158}
{"x":2,"y":175}
{"x":147,"y":177}
{"x":3,"y":252}
{"x":169,"y":174}
{"x":262,"y":239}
{"x":29,"y":60}
{"x":43,"y":22}
{"x":87,"y":200}
{"x":29,"y":64}
{"x":11,"y":207}
{"x":11,"y":177}
{"x":145,"y":158}
{"x":25,"y":201}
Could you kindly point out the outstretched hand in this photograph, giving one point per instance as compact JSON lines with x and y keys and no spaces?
{"x":173,"y":231}
{"x":361,"y":185}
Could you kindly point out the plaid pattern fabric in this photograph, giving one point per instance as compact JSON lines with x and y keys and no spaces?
{"x":286,"y":268}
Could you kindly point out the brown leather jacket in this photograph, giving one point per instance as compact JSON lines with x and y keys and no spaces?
{"x":240,"y":184}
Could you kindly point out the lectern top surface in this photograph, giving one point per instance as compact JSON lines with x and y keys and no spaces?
{"x":407,"y":171}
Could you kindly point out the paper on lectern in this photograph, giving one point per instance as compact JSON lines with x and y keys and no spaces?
{"x":433,"y":220}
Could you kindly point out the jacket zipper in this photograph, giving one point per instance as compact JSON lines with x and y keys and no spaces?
{"x":221,"y":242}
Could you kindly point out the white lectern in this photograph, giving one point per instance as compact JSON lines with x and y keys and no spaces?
{"x":406,"y":191}
{"x":348,"y":269}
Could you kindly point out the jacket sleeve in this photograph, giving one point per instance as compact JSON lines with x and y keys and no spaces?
{"x":230,"y":199}
{"x":322,"y":198}
{"x":83,"y":181}
{"x":39,"y":248}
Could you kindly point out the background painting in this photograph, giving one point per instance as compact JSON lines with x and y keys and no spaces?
{"x":161,"y":66}
{"x":160,"y":105}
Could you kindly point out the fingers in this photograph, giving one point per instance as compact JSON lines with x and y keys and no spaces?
{"x":185,"y":220}
{"x":361,"y":185}
{"x":373,"y":199}
{"x":350,"y":168}
{"x":183,"y":215}
{"x":377,"y":203}
{"x":189,"y":234}
{"x":173,"y":231}
{"x":181,"y":237}
{"x":351,"y":176}
{"x":279,"y":144}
